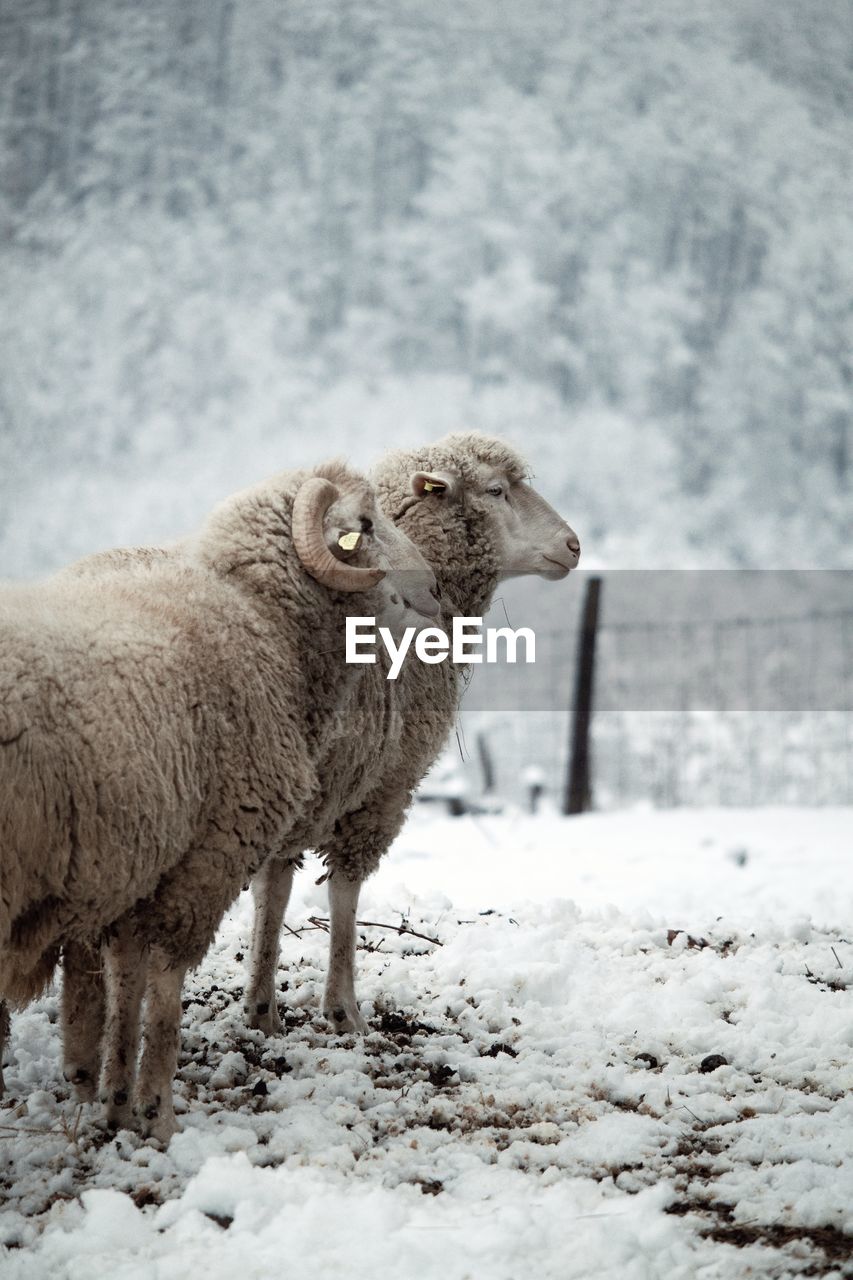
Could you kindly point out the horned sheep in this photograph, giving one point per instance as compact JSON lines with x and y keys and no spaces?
{"x":465,"y":502}
{"x":164,"y":721}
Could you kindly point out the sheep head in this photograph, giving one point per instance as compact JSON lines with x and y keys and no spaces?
{"x":483,"y":480}
{"x":333,"y":527}
{"x":315,"y":547}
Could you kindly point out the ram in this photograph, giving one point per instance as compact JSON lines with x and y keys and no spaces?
{"x":165,"y":717}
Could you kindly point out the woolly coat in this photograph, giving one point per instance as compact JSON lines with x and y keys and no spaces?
{"x":164,"y":720}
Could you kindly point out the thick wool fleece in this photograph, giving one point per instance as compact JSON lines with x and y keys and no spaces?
{"x":161,"y":719}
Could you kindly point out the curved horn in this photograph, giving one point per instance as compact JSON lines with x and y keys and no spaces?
{"x":309,"y":507}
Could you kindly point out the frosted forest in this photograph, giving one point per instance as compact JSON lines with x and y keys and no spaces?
{"x":236,"y":236}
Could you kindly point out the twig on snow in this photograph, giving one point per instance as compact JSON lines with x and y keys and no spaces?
{"x":321,"y":922}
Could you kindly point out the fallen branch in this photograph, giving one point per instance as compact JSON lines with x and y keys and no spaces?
{"x":322,"y":922}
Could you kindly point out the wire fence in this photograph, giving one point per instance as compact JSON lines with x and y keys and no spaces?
{"x":735,"y":711}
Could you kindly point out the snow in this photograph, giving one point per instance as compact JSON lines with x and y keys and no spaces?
{"x":538,"y":1094}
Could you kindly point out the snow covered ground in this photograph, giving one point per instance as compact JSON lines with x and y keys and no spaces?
{"x":631,"y":1055}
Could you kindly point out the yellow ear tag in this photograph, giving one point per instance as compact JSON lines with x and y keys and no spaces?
{"x":429,"y":487}
{"x":349,"y":541}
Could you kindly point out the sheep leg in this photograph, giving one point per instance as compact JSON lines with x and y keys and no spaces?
{"x":82,"y":1017}
{"x":154,"y":1103}
{"x":271,"y":890}
{"x":125,"y":960}
{"x":339,"y":1004}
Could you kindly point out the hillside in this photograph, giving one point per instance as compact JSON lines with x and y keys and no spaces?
{"x":237,"y":236}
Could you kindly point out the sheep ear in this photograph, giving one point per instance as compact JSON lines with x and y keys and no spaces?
{"x":345,"y":543}
{"x":440,"y":484}
{"x":342,"y":540}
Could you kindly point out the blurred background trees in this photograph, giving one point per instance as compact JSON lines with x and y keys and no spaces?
{"x":239,"y":234}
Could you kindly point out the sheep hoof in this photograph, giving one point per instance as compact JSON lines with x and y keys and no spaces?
{"x":82,"y":1081}
{"x":345,"y":1019}
{"x":163,"y":1129}
{"x":265,"y":1017}
{"x":157,"y":1123}
{"x":117,"y":1112}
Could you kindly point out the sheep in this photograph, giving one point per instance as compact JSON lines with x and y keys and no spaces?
{"x":464,"y":502}
{"x":164,"y":721}
{"x":456,"y":510}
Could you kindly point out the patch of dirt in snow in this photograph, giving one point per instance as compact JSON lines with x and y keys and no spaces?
{"x":554,"y":1045}
{"x":717,"y":1221}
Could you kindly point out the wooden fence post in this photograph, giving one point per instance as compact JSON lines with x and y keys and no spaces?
{"x":578,"y":793}
{"x":487,"y":764}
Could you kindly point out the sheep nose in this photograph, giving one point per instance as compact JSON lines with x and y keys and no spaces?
{"x":573,"y":543}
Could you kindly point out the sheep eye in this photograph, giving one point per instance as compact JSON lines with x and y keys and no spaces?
{"x":366,"y":525}
{"x":495,"y":490}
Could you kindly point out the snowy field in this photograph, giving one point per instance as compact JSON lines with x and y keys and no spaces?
{"x":628,"y":1052}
